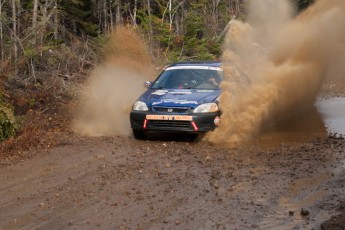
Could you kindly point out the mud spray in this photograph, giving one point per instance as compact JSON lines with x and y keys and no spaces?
{"x":114,"y":86}
{"x":275,"y":63}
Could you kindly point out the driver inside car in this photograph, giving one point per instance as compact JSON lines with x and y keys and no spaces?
{"x":213,"y":80}
{"x":186,"y":80}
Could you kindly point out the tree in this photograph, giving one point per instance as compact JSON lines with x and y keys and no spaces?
{"x":14,"y":36}
{"x":2,"y":33}
{"x":173,"y":29}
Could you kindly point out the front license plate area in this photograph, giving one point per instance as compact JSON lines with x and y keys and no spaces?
{"x":169,"y":117}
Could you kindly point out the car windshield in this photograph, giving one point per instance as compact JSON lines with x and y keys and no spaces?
{"x":189,"y":78}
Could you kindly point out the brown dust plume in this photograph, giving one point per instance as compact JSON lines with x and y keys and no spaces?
{"x":275,"y":63}
{"x":114,"y":86}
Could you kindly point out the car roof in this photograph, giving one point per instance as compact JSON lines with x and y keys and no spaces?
{"x":197,"y":63}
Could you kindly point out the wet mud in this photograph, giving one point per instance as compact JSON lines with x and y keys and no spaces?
{"x":122,"y":183}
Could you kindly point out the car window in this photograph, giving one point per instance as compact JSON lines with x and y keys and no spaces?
{"x":188,"y":79}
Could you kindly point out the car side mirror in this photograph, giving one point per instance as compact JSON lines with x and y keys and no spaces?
{"x":147,"y":84}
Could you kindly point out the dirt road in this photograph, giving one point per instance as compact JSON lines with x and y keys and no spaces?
{"x":122,"y":183}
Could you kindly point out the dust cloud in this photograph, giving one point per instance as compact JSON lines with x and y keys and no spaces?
{"x":275,"y":63}
{"x":114,"y":85}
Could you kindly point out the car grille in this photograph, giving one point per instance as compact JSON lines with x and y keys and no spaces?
{"x":171,"y":109}
{"x":169,"y":124}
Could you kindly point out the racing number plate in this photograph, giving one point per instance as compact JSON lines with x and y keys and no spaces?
{"x":169,"y":117}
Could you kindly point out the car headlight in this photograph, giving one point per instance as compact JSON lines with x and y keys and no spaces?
{"x":140,"y":106}
{"x":206,"y":108}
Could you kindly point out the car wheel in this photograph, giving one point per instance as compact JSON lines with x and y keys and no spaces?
{"x":139,"y":134}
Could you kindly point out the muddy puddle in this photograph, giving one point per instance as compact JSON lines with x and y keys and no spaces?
{"x":332,"y":111}
{"x":302,"y":193}
{"x":325,"y":118}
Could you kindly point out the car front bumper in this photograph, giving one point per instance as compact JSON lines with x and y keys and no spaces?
{"x":149,"y":121}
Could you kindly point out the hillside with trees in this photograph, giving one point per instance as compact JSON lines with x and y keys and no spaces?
{"x":47,"y":46}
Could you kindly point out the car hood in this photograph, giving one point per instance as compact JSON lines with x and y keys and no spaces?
{"x":179,"y":97}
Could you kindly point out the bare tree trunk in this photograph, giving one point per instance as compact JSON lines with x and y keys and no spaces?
{"x":118,"y":12}
{"x":33,"y":69}
{"x":170,"y":16}
{"x":134,"y":14}
{"x":42,"y":27}
{"x":34,"y":21}
{"x":105,"y":15}
{"x":237,"y":7}
{"x":111,"y":17}
{"x":164,"y":12}
{"x":182,"y":19}
{"x":215,"y":15}
{"x":149,"y":13}
{"x":99,"y":16}
{"x":34,"y":32}
{"x":170,"y":11}
{"x":34,"y":16}
{"x":150,"y":32}
{"x":134,"y":17}
{"x":233,"y":6}
{"x":19,"y":11}
{"x":56,"y":21}
{"x":178,"y":23}
{"x":14,"y":37}
{"x":1,"y":34}
{"x":46,"y":16}
{"x":173,"y":13}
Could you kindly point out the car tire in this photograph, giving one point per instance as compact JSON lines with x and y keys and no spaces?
{"x":139,"y":134}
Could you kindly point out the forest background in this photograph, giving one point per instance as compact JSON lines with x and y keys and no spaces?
{"x":47,"y":47}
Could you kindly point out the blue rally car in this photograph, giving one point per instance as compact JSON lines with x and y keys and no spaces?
{"x":183,"y":98}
